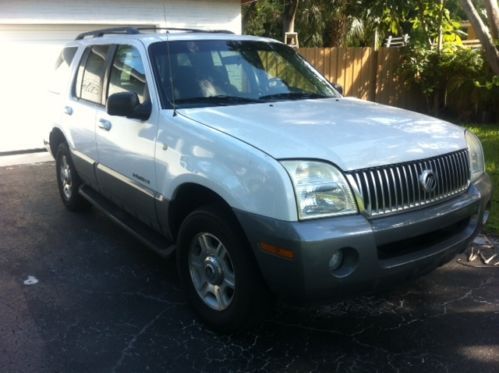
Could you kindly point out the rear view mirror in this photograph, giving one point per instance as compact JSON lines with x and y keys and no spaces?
{"x":127,"y":104}
{"x":338,"y":87}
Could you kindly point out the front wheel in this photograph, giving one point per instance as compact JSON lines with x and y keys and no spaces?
{"x":218,"y":271}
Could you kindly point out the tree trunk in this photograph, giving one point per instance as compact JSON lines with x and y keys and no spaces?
{"x":440,"y":30}
{"x":493,"y":16}
{"x":337,"y":25}
{"x":491,"y":52}
{"x":289,"y":16}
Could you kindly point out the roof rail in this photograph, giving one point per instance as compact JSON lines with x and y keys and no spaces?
{"x":114,"y":30}
{"x":137,"y":30}
{"x":183,"y":29}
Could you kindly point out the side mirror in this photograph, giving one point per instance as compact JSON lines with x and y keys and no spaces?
{"x":338,"y":87}
{"x":126,"y":104}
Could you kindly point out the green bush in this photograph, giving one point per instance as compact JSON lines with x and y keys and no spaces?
{"x":489,"y":135}
{"x":456,"y":82}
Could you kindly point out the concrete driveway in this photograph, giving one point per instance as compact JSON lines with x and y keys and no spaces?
{"x":103,"y":303}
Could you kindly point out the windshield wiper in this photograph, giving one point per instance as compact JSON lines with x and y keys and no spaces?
{"x":218,"y":99}
{"x":292,"y":96}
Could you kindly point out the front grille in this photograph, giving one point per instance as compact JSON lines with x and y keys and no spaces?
{"x":400,"y":187}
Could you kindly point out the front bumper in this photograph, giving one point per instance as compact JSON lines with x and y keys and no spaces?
{"x":380,"y":252}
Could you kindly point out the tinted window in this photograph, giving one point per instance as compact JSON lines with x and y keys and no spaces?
{"x":127,"y":73}
{"x":93,"y":74}
{"x":62,"y":69}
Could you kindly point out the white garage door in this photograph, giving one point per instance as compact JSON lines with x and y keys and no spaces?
{"x":27,"y":57}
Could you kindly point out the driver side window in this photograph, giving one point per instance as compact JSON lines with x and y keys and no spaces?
{"x":127,"y":73}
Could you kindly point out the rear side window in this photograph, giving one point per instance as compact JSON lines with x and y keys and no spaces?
{"x":91,"y":77}
{"x":62,"y":70}
{"x":127,"y":73}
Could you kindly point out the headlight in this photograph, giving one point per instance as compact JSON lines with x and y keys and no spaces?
{"x":477,"y":162}
{"x":321,"y":189}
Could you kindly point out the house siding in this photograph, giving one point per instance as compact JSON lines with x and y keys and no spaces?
{"x":34,"y":30}
{"x":216,"y":14}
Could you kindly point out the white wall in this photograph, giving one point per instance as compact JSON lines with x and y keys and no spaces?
{"x":213,"y":14}
{"x":32,"y":32}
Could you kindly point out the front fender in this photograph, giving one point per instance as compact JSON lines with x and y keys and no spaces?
{"x":245,"y":177}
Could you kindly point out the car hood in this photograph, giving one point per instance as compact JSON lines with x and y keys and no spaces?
{"x":349,"y":132}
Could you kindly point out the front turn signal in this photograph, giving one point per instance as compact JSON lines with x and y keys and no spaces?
{"x":277,"y":251}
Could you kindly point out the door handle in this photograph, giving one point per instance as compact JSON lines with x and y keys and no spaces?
{"x":104,"y":124}
{"x":68,"y":110}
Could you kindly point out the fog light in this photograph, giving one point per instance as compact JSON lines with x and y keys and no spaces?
{"x":343,"y":262}
{"x":336,"y":260}
{"x":485,"y":217}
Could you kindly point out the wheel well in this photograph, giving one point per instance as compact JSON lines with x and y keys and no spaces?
{"x":188,"y":198}
{"x":56,"y":137}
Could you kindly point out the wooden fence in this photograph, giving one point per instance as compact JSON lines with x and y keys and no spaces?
{"x":365,"y":73}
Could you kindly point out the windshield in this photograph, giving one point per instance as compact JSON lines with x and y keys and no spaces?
{"x":232,"y":72}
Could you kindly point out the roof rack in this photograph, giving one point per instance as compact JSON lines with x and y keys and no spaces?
{"x":137,"y":30}
{"x":102,"y":32}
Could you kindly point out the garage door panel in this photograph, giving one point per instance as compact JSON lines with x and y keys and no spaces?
{"x":27,"y":57}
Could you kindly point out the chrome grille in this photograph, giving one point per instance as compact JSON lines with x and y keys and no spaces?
{"x":399,"y":187}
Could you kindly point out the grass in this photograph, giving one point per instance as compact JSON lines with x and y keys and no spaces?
{"x":489,"y":135}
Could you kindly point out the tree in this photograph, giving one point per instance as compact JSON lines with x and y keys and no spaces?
{"x":263,"y":17}
{"x":324,"y":23}
{"x":337,"y":24}
{"x":289,"y":15}
{"x":493,"y":16}
{"x":272,"y":18}
{"x":491,"y":52}
{"x":329,"y":23}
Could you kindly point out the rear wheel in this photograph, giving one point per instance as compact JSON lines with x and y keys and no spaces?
{"x":68,"y":180}
{"x":218,"y":271}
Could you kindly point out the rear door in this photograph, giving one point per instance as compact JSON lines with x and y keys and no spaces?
{"x":58,"y":89}
{"x":85,"y":99}
{"x":125,"y":171}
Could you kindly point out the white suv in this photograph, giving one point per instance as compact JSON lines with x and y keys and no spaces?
{"x":235,"y":153}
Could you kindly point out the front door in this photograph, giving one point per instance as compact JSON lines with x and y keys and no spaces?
{"x":126,"y":146}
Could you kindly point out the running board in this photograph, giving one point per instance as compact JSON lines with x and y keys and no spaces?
{"x":149,"y":237}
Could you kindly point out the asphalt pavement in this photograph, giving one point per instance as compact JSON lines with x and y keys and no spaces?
{"x":78,"y":294}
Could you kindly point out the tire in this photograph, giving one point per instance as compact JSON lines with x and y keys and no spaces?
{"x":68,"y":181}
{"x":213,"y":254}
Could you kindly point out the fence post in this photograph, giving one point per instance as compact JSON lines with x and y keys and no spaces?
{"x":373,"y":81}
